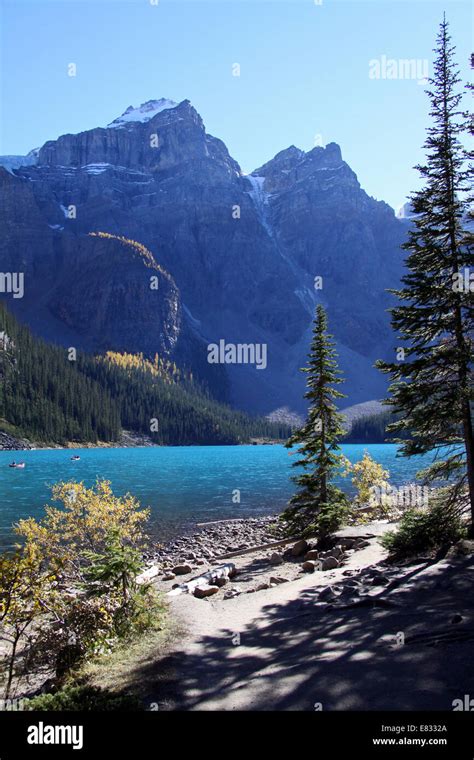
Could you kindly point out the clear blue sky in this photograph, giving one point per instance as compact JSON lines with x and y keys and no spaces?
{"x":304,"y":71}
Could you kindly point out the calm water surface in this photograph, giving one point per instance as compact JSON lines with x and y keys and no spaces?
{"x":181,"y":485}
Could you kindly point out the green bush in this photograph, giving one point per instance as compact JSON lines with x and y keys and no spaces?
{"x":423,"y":531}
{"x":331,"y":518}
{"x":322,"y":522}
{"x":80,"y":698}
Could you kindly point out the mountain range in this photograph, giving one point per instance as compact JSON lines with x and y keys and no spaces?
{"x":145,"y":236}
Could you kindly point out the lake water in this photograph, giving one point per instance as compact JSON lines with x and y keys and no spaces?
{"x":181,"y":485}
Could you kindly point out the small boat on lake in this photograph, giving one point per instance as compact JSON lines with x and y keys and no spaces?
{"x":18,"y":465}
{"x":75,"y":458}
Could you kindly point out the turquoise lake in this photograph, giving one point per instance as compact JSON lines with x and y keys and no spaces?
{"x":181,"y":485}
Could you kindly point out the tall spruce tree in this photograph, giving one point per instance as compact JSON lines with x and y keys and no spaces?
{"x":318,"y":506}
{"x":432,"y":386}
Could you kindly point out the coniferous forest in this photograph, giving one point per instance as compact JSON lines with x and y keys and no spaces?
{"x":47,"y":397}
{"x":372,"y":428}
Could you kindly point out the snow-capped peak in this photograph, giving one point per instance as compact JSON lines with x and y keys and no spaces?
{"x":406,"y":211}
{"x":143,"y":113}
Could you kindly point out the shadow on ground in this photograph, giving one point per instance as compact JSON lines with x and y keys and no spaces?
{"x":301,"y":655}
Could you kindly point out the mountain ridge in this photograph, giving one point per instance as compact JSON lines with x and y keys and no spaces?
{"x":244,"y":251}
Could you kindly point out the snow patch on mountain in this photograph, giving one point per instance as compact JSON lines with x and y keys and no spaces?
{"x":143,"y":113}
{"x":14,"y":162}
{"x":308,"y":298}
{"x":260,"y":199}
{"x":406,"y":211}
{"x":96,"y":168}
{"x":257,"y":192}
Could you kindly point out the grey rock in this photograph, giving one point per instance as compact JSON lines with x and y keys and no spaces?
{"x":182,"y":569}
{"x":330,"y":563}
{"x":232,"y":593}
{"x":276,"y":559}
{"x":301,"y":547}
{"x":327,"y":594}
{"x":310,"y":565}
{"x":9,"y":443}
{"x":201,"y":592}
{"x":334,"y":552}
{"x":346,"y":543}
{"x":380,"y":580}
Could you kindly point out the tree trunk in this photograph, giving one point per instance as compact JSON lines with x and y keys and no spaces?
{"x":11,"y":666}
{"x":324,"y":488}
{"x":469,"y":444}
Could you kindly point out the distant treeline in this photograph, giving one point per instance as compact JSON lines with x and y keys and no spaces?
{"x":49,"y":398}
{"x":373,"y":429}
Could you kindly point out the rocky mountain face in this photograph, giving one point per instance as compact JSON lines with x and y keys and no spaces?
{"x":88,"y":286}
{"x":240,"y":259}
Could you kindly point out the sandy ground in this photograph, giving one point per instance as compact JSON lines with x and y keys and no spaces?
{"x":384,"y":638}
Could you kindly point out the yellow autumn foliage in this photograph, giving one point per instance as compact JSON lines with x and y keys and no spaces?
{"x":368,"y":478}
{"x":85,"y":519}
{"x":159,"y":367}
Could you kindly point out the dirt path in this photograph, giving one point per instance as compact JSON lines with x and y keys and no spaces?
{"x":376,"y":638}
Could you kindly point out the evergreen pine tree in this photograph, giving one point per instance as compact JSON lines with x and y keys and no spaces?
{"x":432,"y":386}
{"x":318,"y":506}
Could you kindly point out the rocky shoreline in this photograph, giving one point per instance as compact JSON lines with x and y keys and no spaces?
{"x":10,"y":443}
{"x":204,"y":562}
{"x":128,"y":440}
{"x":215,"y":539}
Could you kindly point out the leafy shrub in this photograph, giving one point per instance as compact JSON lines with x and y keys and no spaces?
{"x":70,"y":591}
{"x":370,"y":480}
{"x":424,"y":531}
{"x":83,"y":698}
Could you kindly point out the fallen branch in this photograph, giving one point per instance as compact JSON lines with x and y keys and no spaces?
{"x":261,"y":547}
{"x":219,"y":522}
{"x":224,"y":571}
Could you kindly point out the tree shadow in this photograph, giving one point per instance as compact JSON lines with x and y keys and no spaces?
{"x":401,"y":647}
{"x":255,"y":569}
